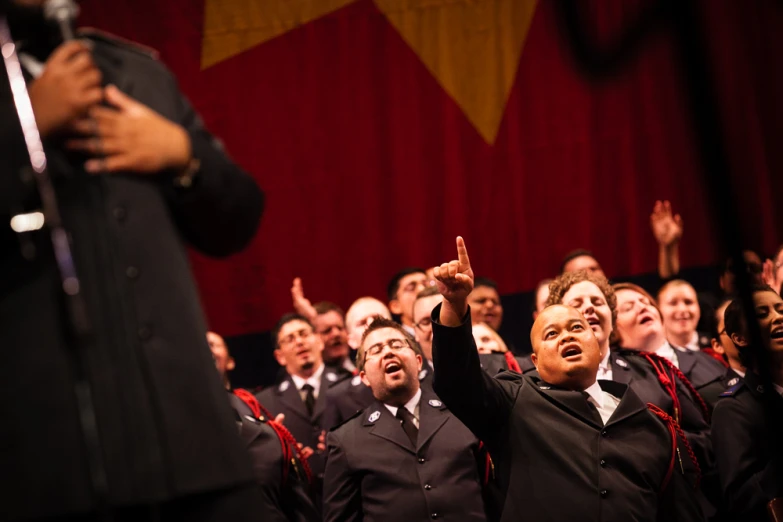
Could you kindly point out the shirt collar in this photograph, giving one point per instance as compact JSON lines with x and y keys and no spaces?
{"x":410,"y":405}
{"x":314,"y":380}
{"x":693,"y":344}
{"x":605,"y":364}
{"x":741,"y":373}
{"x":669,"y":353}
{"x":595,"y":391}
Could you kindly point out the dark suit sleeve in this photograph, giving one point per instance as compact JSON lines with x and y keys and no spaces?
{"x":481,"y":402}
{"x":342,"y":489}
{"x":747,"y":479}
{"x":220,"y":213}
{"x":680,"y":501}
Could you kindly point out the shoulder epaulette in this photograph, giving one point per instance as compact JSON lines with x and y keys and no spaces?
{"x":352,"y":417}
{"x":730,"y":392}
{"x":117,"y":41}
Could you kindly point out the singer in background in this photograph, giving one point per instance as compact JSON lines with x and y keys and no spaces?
{"x":137,"y":177}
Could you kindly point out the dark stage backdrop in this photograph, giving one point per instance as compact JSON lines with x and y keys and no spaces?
{"x":381,"y":129}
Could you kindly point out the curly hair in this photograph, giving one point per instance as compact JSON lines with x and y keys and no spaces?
{"x":561,"y":284}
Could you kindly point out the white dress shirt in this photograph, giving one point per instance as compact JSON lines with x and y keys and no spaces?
{"x":605,"y":367}
{"x":314,"y":380}
{"x":739,"y":372}
{"x":412,"y":406}
{"x":668,"y":352}
{"x":604,"y":402}
{"x":694,"y":345}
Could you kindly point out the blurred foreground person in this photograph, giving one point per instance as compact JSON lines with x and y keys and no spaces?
{"x":563,"y":433}
{"x":133,"y":419}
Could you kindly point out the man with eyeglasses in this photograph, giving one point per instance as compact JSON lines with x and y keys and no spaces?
{"x":301,"y":395}
{"x":405,"y":457}
{"x":725,"y":347}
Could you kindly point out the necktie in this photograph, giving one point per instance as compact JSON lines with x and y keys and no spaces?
{"x":309,"y":398}
{"x":593,"y":407}
{"x":406,"y":419}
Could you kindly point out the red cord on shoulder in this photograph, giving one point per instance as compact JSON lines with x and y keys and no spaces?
{"x":511,"y":362}
{"x":249,"y":399}
{"x":675,"y":431}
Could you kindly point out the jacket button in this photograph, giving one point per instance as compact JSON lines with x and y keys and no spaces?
{"x":421,"y":460}
{"x":604,"y":493}
{"x":119,"y":213}
{"x":604,"y":433}
{"x":132,"y":272}
{"x":603,"y":463}
{"x":145,"y":334}
{"x":427,"y":487}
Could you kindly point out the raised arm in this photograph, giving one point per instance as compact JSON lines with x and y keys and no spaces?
{"x":481,"y":402}
{"x":667,"y":229}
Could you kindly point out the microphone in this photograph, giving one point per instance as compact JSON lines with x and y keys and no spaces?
{"x":63,"y":13}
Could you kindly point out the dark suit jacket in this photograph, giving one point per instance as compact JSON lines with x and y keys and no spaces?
{"x":750,"y":463}
{"x":374,"y":472}
{"x":166,"y":429}
{"x":493,"y":363}
{"x":284,"y":398}
{"x":553,"y":455}
{"x":711,"y":392}
{"x":278,"y":500}
{"x":700,"y":368}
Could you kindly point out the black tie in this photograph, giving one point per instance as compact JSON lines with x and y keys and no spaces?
{"x":406,"y":419}
{"x":593,"y":408}
{"x":309,"y":399}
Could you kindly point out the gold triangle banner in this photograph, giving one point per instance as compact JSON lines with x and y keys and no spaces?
{"x":471,"y":47}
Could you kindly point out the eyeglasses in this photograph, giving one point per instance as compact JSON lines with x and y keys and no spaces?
{"x":395,"y":345}
{"x":291,"y":338}
{"x":425,"y":325}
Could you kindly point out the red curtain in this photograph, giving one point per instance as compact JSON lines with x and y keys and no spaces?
{"x":369,"y":166}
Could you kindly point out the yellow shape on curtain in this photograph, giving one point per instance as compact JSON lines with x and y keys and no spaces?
{"x":471,"y":47}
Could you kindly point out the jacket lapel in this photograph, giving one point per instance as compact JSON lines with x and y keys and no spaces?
{"x":432,"y":416}
{"x":383,"y":424}
{"x":621,"y":371}
{"x":572,"y":401}
{"x":289,"y":396}
{"x":630,"y":403}
{"x":686,"y":360}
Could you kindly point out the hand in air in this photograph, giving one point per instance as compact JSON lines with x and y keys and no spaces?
{"x":302,"y":305}
{"x":666,"y":227}
{"x":455,"y":278}
{"x":129,"y":136}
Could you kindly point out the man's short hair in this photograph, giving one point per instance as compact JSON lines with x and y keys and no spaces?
{"x":394,"y":284}
{"x":288,"y":318}
{"x":673,"y":283}
{"x":324,"y":307}
{"x":427,"y":292}
{"x":560,"y":285}
{"x":378,"y":323}
{"x":485,"y":281}
{"x":573,"y":255}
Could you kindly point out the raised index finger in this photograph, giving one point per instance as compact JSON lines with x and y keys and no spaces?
{"x":462,"y":253}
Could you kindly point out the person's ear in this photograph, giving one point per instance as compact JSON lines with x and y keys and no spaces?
{"x":363,"y":376}
{"x":717,"y":347}
{"x":534,"y":358}
{"x":739,"y":340}
{"x":395,"y":307}
{"x":279,"y":356}
{"x":230,"y":364}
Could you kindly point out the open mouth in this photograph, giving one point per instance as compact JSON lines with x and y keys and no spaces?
{"x":392,"y":367}
{"x":777,"y":332}
{"x":571,"y":351}
{"x":593,"y":322}
{"x":646,"y":319}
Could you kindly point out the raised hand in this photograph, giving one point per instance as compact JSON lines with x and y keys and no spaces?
{"x":130,"y":137}
{"x":666,"y":228}
{"x":69,"y":86}
{"x":302,"y":304}
{"x":455,"y":283}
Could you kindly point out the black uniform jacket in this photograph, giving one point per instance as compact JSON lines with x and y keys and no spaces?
{"x":347,"y":397}
{"x":166,"y":429}
{"x":279,"y":499}
{"x":712,"y":391}
{"x":553,"y":456}
{"x":284,"y":398}
{"x":700,"y":368}
{"x":749,"y":457}
{"x":374,"y":473}
{"x":492,"y":363}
